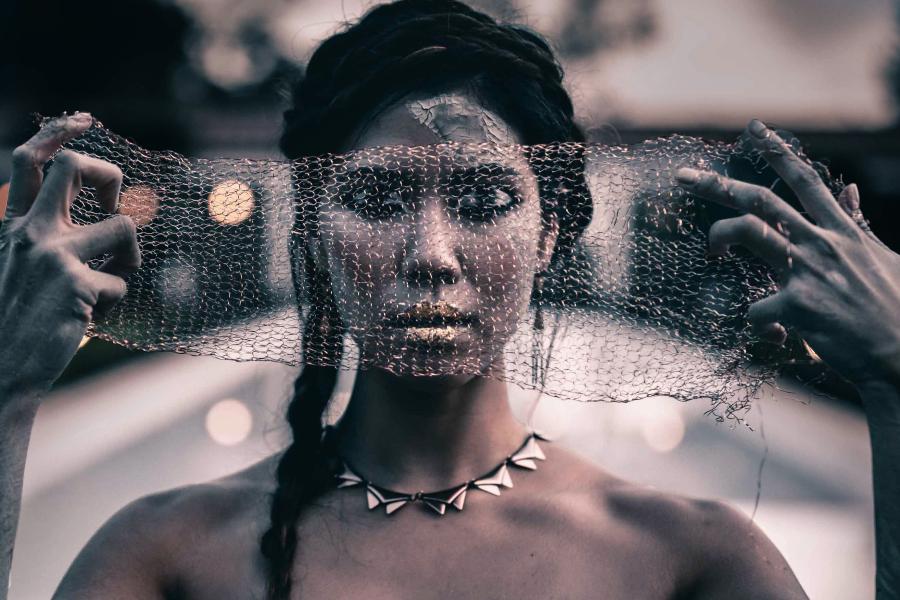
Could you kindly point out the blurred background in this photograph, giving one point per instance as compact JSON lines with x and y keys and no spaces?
{"x":206,"y":78}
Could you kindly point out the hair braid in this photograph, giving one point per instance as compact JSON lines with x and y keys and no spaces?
{"x":305,"y":470}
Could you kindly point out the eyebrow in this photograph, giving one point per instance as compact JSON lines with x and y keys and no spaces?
{"x":378,"y":171}
{"x":484,"y":170}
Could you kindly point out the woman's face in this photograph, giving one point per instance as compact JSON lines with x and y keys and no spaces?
{"x":432,"y":252}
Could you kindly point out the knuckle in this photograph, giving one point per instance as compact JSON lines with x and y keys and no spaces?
{"x":66,"y":160}
{"x":799,"y":295}
{"x":717,"y":184}
{"x":717,"y":230}
{"x":115,"y":173}
{"x":51,"y":257}
{"x":827,"y":245}
{"x":760,"y":199}
{"x":745,"y":225}
{"x":806,"y":175}
{"x":82,"y":305}
{"x":18,"y":235}
{"x":24,"y":157}
{"x":29,"y":235}
{"x":124,"y":227}
{"x":121,"y":288}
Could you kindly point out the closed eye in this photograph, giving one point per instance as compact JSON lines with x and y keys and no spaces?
{"x":375,"y":193}
{"x":483,"y":193}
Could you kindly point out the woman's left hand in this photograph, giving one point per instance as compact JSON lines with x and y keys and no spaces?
{"x":839,"y":285}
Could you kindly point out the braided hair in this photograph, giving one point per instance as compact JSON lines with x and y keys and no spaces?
{"x":396,"y":49}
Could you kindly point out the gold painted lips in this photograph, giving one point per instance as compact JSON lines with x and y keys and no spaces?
{"x":426,"y":314}
{"x":432,"y":324}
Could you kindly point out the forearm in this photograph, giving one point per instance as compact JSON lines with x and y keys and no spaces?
{"x":17,"y":412}
{"x":882,"y":401}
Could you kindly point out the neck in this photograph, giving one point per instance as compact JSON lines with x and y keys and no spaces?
{"x":427,"y":433}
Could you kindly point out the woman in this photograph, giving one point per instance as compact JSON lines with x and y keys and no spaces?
{"x":417,"y":73}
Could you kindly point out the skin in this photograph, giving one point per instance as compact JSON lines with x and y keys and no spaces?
{"x":566,"y":530}
{"x":429,"y":253}
{"x":840,"y":289}
{"x":459,"y":118}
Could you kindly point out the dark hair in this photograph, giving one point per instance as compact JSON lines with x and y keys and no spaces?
{"x":394,"y":50}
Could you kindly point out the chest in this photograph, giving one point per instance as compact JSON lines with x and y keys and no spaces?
{"x":517,"y":551}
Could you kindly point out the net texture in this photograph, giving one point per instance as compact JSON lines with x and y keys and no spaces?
{"x":430,"y":256}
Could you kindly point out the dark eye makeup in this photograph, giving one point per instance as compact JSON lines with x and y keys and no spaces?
{"x":478,"y":194}
{"x":376,"y":193}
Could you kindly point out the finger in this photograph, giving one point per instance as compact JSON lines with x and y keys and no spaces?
{"x":770,"y":309}
{"x":800,"y":176}
{"x":848,"y":199}
{"x":116,"y":235}
{"x":774,"y":333}
{"x":747,"y":198}
{"x":67,"y":174}
{"x":754,"y":234}
{"x":109,"y":289}
{"x":28,"y":160}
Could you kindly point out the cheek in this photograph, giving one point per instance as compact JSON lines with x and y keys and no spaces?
{"x":501,"y":264}
{"x":362,"y":261}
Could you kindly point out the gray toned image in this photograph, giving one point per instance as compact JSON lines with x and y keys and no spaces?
{"x":428,"y":299}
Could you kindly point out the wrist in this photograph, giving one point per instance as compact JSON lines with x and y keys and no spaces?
{"x":881,"y":401}
{"x":19,"y":402}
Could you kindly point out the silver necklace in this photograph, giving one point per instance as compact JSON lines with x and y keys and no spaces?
{"x":491,"y":482}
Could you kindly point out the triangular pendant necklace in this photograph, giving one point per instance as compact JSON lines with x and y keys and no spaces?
{"x":491,"y":482}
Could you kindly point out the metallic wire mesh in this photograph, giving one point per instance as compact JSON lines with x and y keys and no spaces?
{"x":432,"y":253}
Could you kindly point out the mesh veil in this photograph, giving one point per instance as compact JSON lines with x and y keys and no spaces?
{"x":431,"y":254}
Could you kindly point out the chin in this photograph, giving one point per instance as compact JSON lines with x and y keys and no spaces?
{"x":432,"y":372}
{"x":426,"y":383}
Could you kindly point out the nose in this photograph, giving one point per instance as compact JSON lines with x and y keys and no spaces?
{"x":431,"y":259}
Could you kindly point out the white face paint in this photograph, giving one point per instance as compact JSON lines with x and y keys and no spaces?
{"x":458,"y":118}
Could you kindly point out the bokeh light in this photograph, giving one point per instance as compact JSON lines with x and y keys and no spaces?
{"x":4,"y":197}
{"x":140,"y":203}
{"x":231,"y":202}
{"x":229,"y":422}
{"x":663,"y":430}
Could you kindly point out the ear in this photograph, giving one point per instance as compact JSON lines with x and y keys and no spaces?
{"x":547,"y":241}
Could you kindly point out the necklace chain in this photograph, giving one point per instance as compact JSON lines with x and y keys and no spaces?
{"x":492,"y":482}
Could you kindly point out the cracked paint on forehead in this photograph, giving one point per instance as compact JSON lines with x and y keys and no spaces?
{"x":457,"y":118}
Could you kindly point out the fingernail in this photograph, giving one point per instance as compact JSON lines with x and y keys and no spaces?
{"x":777,"y":334}
{"x":758,"y":129}
{"x":81,"y":118}
{"x":687,"y":176}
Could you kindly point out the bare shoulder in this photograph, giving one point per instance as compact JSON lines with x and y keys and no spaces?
{"x":715,"y":550}
{"x":140,"y":552}
{"x":203,"y":505}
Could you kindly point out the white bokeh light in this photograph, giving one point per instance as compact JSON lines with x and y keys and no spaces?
{"x":663,"y":429}
{"x":229,"y":422}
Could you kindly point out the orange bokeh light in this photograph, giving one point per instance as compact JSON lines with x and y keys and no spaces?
{"x":231,"y":202}
{"x":4,"y":198}
{"x":140,"y":203}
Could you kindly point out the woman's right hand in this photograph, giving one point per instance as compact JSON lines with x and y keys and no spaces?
{"x":48,"y":294}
